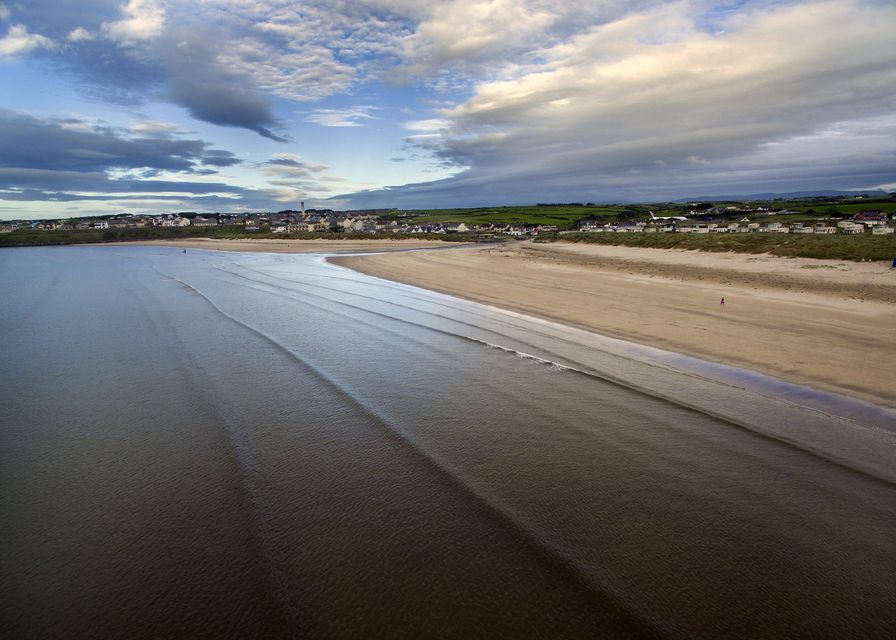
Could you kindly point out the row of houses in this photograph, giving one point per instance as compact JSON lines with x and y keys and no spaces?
{"x":874,"y":222}
{"x":388,"y":221}
{"x":846,"y":227}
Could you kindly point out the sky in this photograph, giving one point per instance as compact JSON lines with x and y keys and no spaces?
{"x":148,"y":106}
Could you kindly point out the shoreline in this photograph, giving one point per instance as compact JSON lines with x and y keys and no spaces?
{"x":826,"y":324}
{"x":253,"y":245}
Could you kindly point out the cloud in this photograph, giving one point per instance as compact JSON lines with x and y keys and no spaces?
{"x":208,"y":89}
{"x":219,"y":158}
{"x":73,"y":160}
{"x":305,"y":51}
{"x":429,"y":124}
{"x":76,"y":145}
{"x":467,"y":33}
{"x":654,"y":99}
{"x":294,"y":179}
{"x":352,"y":117}
{"x":133,"y":52}
{"x":141,"y":20}
{"x":291,"y":164}
{"x":18,"y":41}
{"x":151,"y":126}
{"x":79,"y":34}
{"x":26,"y":184}
{"x":597,"y":95}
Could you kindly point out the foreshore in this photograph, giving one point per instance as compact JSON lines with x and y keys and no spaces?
{"x":823,"y":323}
{"x":291,"y":246}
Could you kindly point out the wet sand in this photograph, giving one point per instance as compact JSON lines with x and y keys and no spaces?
{"x":292,"y":246}
{"x":825,"y":323}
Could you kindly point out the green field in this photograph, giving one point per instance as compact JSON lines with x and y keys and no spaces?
{"x":561,"y":215}
{"x":834,"y":247}
{"x":568,"y":215}
{"x":848,"y":209}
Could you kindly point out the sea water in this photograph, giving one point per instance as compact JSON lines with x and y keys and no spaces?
{"x":252,"y":445}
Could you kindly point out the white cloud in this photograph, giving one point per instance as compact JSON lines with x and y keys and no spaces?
{"x":470,"y":31}
{"x":4,"y":12}
{"x":352,"y":117}
{"x":655,"y":102}
{"x":304,"y":51}
{"x":152,"y":126}
{"x":18,"y":40}
{"x":430,"y":124}
{"x":79,"y":34}
{"x":141,"y":20}
{"x":624,"y":94}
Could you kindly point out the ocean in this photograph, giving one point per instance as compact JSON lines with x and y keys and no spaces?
{"x":233,"y":445}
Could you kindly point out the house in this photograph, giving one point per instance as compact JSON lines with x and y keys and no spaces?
{"x":871,"y":217}
{"x":174,"y":221}
{"x":799,"y":227}
{"x":850,"y":228}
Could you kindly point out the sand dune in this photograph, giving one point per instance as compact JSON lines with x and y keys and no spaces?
{"x":828,"y":324}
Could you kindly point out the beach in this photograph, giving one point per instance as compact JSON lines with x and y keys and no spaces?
{"x":251,"y":245}
{"x":824,"y":323}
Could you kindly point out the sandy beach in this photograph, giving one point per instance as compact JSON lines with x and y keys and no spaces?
{"x":292,"y":246}
{"x":825,"y":323}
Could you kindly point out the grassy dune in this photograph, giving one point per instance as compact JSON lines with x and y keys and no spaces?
{"x":834,"y":247}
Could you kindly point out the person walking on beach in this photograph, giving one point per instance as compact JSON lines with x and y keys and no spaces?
{"x":722,"y":302}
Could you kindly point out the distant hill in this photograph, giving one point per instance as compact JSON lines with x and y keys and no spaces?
{"x":789,"y":195}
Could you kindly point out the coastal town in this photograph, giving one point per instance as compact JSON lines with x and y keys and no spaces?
{"x":717,"y":219}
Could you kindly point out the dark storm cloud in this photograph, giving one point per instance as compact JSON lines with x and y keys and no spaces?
{"x":41,"y":185}
{"x":70,"y":160}
{"x":73,"y":145}
{"x":77,"y":181}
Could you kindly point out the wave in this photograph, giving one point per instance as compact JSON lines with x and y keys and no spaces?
{"x":792,"y":441}
{"x":485,"y":502}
